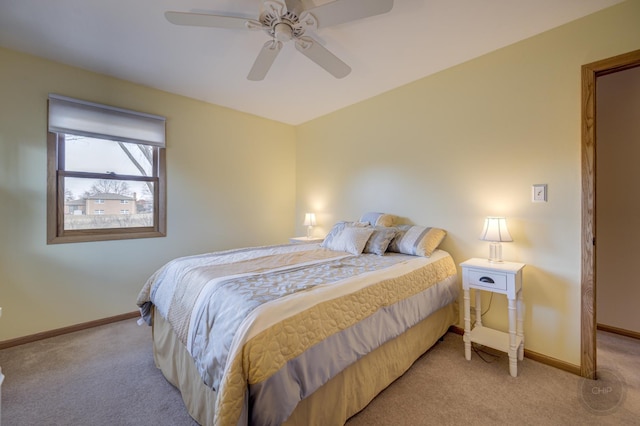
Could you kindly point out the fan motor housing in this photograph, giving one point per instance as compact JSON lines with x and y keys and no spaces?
{"x":282,"y":23}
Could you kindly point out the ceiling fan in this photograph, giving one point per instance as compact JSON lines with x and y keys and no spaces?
{"x":286,"y":20}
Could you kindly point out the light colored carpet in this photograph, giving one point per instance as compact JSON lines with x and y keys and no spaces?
{"x":442,"y":388}
{"x":106,"y":376}
{"x":101,"y":376}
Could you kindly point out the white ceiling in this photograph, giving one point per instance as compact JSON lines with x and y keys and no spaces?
{"x":131,"y":40}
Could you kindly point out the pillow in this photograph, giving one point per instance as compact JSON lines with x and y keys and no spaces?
{"x":351,"y":239}
{"x":337,"y":228}
{"x":417,"y":240}
{"x":378,"y":219}
{"x":379,"y":240}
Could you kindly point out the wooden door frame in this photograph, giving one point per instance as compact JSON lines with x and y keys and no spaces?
{"x":590,"y":72}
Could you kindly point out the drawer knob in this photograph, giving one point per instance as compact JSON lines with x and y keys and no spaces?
{"x":487,"y":280}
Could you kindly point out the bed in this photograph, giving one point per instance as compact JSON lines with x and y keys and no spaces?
{"x":297,"y":334}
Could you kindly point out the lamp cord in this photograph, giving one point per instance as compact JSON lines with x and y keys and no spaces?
{"x":481,"y":353}
{"x":488,"y":307}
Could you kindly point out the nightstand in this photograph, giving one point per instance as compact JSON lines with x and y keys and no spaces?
{"x":502,"y":278}
{"x":299,"y":240}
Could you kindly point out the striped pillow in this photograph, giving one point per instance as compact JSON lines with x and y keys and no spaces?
{"x":417,"y":240}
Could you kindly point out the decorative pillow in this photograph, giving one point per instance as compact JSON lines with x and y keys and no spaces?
{"x":417,"y":240}
{"x":351,"y":239}
{"x":378,"y":219}
{"x":379,"y":240}
{"x":337,"y":228}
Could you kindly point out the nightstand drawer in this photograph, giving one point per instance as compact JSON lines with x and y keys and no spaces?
{"x":490,"y":280}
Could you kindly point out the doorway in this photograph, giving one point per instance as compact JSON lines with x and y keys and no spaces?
{"x":590,"y":74}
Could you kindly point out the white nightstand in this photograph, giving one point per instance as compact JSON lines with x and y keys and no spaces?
{"x":503,"y":278}
{"x":305,"y":240}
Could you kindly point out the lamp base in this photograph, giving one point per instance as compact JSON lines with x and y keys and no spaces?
{"x":309,"y":232}
{"x":495,"y":253}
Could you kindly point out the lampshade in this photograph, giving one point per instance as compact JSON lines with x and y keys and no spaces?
{"x":495,"y":229}
{"x":309,"y":219}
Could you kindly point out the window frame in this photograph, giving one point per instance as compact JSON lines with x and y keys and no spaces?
{"x":56,"y":173}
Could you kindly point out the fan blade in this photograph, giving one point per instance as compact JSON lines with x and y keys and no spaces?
{"x":277,"y":7}
{"x":264,"y":60}
{"x":341,"y":11}
{"x":321,"y":56}
{"x":206,"y":20}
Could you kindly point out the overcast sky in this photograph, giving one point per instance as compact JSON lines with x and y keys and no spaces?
{"x":95,"y":155}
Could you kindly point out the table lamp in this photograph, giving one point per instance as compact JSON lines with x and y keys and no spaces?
{"x":495,"y":230}
{"x":309,"y":222}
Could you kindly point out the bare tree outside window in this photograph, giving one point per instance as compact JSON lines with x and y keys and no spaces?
{"x":104,"y":186}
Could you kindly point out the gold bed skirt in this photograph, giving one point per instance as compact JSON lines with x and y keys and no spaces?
{"x":334,"y":402}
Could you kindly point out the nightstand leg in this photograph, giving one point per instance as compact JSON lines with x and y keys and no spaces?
{"x":513,"y":349}
{"x":519,"y":325}
{"x":467,"y":325}
{"x":478,"y":308}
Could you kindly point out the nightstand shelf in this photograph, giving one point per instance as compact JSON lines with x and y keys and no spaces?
{"x":502,"y":278}
{"x":495,"y":339}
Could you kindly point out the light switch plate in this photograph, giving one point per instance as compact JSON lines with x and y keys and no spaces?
{"x":539,"y":193}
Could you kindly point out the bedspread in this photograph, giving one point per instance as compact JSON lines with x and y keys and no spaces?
{"x":268,"y":326}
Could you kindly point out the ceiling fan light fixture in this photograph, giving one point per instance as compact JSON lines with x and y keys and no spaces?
{"x":283,"y":32}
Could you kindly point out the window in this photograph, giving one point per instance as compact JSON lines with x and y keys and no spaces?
{"x":99,"y":159}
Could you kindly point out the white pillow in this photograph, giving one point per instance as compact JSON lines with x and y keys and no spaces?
{"x":337,"y":228}
{"x":351,"y":239}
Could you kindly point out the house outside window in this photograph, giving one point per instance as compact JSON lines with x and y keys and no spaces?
{"x":99,"y":159}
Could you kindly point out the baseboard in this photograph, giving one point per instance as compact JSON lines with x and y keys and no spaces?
{"x":65,"y":330}
{"x":457,"y":330}
{"x":554,"y":362}
{"x":535,"y":356}
{"x":620,"y":331}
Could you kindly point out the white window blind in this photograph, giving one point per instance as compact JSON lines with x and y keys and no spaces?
{"x":68,"y":115}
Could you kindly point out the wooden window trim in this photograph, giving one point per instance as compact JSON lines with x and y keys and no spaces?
{"x":55,"y":203}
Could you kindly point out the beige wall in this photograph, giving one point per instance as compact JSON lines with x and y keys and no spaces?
{"x":618,"y":200}
{"x":445,"y":151}
{"x":236,"y":172}
{"x":469,"y":142}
